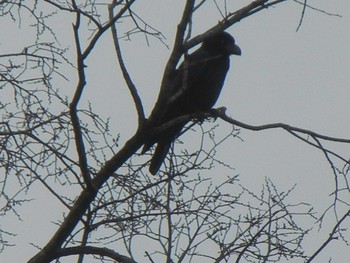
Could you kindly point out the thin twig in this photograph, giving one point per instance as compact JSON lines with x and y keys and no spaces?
{"x":302,"y":15}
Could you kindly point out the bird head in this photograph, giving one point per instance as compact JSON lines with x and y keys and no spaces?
{"x":221,"y":43}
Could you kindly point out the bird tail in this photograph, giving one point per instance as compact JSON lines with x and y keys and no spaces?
{"x":159,"y":156}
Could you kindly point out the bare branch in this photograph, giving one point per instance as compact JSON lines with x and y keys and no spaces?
{"x":89,"y":250}
{"x":302,"y":15}
{"x":79,"y":142}
{"x":104,"y":28}
{"x":331,"y":237}
{"x":86,"y":197}
{"x":221,"y":114}
{"x":173,"y":59}
{"x":230,"y":20}
{"x":127,"y":78}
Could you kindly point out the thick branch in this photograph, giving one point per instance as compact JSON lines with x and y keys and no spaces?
{"x":79,"y":142}
{"x":173,"y":60}
{"x":86,"y":197}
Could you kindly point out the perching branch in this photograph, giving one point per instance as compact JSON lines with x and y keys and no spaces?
{"x":181,"y":45}
{"x":220,"y":112}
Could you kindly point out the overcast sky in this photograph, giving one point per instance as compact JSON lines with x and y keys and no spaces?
{"x":300,"y":78}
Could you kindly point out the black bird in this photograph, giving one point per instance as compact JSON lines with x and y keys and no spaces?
{"x":197,"y":84}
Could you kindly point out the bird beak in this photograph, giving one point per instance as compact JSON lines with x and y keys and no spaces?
{"x":234,"y":50}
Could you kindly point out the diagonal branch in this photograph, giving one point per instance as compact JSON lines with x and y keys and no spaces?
{"x":85,"y":198}
{"x":173,"y":60}
{"x":127,"y":78}
{"x":231,"y":19}
{"x":331,"y":236}
{"x":78,"y":134}
{"x":74,"y":10}
{"x":103,"y":29}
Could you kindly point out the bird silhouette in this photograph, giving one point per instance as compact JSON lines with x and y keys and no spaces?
{"x":195,"y":88}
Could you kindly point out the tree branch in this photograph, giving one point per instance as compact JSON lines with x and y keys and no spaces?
{"x":79,"y":142}
{"x":127,"y":78}
{"x":220,"y":112}
{"x":331,"y":236}
{"x":90,"y":250}
{"x":86,"y":197}
{"x":173,"y":60}
{"x":231,"y":19}
{"x":105,"y":27}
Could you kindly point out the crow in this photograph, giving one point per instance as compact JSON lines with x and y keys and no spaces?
{"x":195,"y":88}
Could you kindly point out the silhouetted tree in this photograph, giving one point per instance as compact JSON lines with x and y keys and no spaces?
{"x":57,"y":146}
